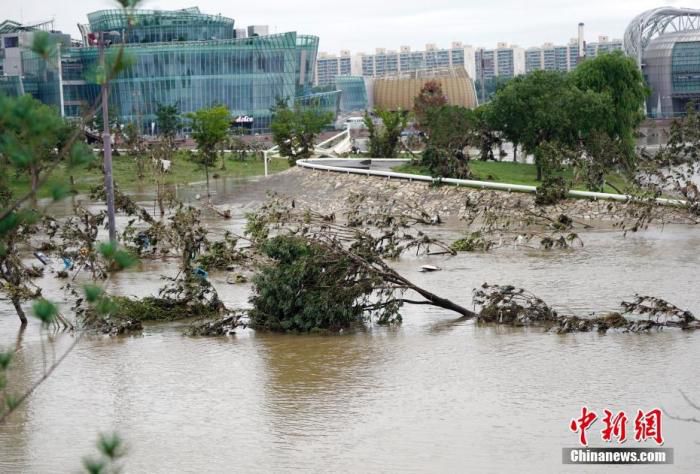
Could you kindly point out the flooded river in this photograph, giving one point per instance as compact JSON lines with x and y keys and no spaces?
{"x":429,"y":396}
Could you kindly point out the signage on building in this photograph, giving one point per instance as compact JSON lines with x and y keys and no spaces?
{"x":244,"y":120}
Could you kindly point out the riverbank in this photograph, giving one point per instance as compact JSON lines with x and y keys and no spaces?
{"x":327,"y":192}
{"x":515,"y":173}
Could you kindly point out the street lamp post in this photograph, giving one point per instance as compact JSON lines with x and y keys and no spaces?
{"x":107,"y":147}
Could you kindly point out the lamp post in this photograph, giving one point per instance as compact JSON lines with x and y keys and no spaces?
{"x":107,"y":143}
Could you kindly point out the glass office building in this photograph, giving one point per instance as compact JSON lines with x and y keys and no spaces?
{"x":192,"y":60}
{"x":354,"y":93}
{"x":672,"y":69}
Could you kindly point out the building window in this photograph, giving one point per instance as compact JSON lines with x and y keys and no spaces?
{"x":11,"y":42}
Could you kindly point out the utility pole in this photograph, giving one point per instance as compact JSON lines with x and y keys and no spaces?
{"x":107,"y":146}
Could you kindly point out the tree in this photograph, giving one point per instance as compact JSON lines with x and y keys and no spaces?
{"x":33,"y":140}
{"x":546,"y":107}
{"x":675,"y":167}
{"x":169,"y":123}
{"x":506,"y":114}
{"x":384,"y":138}
{"x":489,"y":87}
{"x":297,"y":263}
{"x":295,"y":130}
{"x":320,"y":274}
{"x":209,"y":129}
{"x":430,"y":97}
{"x":450,"y":130}
{"x":488,"y":136}
{"x":136,"y":147}
{"x":599,"y":155}
{"x":31,"y":133}
{"x":618,"y":77}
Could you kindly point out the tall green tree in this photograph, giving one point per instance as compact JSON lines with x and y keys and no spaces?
{"x":618,"y":77}
{"x":169,"y":123}
{"x":546,"y":107}
{"x":295,"y":130}
{"x":384,"y":138}
{"x":210,"y":128}
{"x":168,"y":120}
{"x":506,"y":114}
{"x":450,"y":131}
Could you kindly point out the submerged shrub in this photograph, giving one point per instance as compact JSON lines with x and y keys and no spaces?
{"x":308,"y":287}
{"x":474,"y":242}
{"x":552,"y":190}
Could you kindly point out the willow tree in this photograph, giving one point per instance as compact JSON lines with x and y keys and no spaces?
{"x":618,"y":77}
{"x":545,"y":108}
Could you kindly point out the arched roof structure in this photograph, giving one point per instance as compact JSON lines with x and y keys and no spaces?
{"x":653,"y":23}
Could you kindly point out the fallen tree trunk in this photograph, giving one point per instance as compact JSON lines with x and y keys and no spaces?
{"x":434,"y":299}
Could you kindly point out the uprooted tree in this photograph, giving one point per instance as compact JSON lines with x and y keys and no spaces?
{"x":321,"y":274}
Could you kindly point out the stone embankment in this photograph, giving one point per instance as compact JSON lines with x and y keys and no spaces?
{"x":327,"y":192}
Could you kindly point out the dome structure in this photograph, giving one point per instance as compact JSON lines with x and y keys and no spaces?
{"x":666,"y":44}
{"x":400,"y":91}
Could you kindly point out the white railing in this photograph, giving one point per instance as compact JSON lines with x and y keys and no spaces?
{"x":314,"y":164}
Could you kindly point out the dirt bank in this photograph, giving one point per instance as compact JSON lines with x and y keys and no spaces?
{"x":328,"y":191}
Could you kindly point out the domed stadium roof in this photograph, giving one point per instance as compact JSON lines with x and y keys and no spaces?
{"x":399,"y":92}
{"x":653,"y":23}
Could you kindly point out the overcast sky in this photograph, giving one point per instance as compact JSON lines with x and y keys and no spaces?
{"x":363,"y":25}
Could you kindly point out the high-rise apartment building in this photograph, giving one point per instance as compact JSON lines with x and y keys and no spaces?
{"x":390,"y":62}
{"x":330,"y":66}
{"x":549,"y":57}
{"x":504,"y":61}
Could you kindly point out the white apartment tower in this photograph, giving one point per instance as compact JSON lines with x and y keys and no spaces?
{"x":503,"y":61}
{"x":388,"y":62}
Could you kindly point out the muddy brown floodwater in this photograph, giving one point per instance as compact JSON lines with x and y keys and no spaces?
{"x":430,"y":396}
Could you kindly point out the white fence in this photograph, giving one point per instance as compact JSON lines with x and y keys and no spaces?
{"x":317,"y":164}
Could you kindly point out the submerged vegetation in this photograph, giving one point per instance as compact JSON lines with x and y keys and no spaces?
{"x":517,"y":307}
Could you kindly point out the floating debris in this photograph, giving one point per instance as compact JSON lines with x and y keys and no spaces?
{"x":429,"y":269}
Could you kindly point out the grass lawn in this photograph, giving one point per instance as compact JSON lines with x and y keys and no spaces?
{"x":513,"y":173}
{"x":183,"y":171}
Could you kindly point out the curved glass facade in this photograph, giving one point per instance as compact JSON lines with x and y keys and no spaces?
{"x":325,"y":101}
{"x":354,"y":93}
{"x":685,"y":68}
{"x":308,"y":51}
{"x":192,"y":60}
{"x":154,"y":26}
{"x":671,"y":67}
